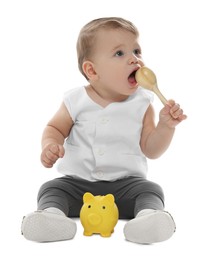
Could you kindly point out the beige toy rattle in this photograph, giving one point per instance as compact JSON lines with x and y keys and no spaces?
{"x":147,"y":79}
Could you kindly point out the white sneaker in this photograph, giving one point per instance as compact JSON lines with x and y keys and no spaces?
{"x":44,"y":226}
{"x":152,"y":227}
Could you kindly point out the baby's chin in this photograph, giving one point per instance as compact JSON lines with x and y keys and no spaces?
{"x":133,"y":87}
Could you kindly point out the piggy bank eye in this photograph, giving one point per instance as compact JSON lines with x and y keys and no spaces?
{"x":103,"y":207}
{"x":89,"y":206}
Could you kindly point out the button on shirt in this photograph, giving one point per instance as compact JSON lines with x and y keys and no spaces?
{"x":104,"y":142}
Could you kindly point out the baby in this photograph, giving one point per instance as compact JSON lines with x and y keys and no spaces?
{"x":101,"y":136}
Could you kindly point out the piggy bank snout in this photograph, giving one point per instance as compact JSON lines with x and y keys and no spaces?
{"x":94,"y":219}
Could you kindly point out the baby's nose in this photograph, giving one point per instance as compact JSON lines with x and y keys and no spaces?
{"x":133,"y":59}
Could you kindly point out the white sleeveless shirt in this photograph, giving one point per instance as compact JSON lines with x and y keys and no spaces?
{"x":104,"y":143}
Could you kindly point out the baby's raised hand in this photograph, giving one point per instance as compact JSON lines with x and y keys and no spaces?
{"x":172,"y":114}
{"x":51,"y":153}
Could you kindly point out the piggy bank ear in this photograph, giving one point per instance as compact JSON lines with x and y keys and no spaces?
{"x":87,"y":197}
{"x":109,"y":198}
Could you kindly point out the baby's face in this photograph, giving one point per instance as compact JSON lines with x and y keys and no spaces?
{"x":116,"y":57}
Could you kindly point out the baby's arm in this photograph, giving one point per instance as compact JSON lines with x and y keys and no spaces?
{"x":156,"y":139}
{"x":54,"y":135}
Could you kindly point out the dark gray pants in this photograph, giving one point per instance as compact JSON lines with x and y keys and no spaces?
{"x":131,"y":195}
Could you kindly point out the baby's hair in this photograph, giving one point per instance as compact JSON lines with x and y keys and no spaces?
{"x":87,"y":35}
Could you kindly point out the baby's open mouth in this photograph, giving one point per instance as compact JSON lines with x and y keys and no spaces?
{"x":131,"y":78}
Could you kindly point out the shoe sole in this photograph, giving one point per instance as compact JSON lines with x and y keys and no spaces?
{"x":42,"y":226}
{"x":150,"y":228}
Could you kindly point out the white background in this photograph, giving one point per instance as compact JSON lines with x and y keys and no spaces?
{"x":38,"y":64}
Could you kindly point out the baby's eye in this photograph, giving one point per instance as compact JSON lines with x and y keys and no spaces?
{"x":137,"y":52}
{"x":119,"y":53}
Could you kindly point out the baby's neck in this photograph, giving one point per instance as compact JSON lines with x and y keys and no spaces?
{"x":102,"y":98}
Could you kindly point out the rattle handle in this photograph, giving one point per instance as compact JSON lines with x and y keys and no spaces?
{"x":160,"y":96}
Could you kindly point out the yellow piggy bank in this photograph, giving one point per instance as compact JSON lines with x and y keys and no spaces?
{"x":99,"y":214}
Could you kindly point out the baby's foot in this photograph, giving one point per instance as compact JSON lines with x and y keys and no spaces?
{"x":150,"y":226}
{"x":44,"y":226}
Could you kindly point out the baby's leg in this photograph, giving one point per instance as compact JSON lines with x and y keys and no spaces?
{"x":51,"y":222}
{"x":151,"y":223}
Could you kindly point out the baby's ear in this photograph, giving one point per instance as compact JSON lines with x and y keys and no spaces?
{"x":88,"y":69}
{"x":87,"y":197}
